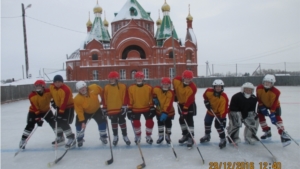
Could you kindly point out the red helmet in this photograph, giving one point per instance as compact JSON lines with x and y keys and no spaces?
{"x":113,"y":75}
{"x":165,"y":80}
{"x":40,"y":82}
{"x":187,"y":74}
{"x":139,"y":75}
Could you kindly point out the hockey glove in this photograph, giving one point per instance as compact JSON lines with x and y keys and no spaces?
{"x":152,"y":112}
{"x":39,"y":122}
{"x":156,"y":101}
{"x":263,"y":110}
{"x":207,"y":105}
{"x":129,"y":114}
{"x":184,"y":113}
{"x":53,"y":104}
{"x":163,"y":117}
{"x":273,"y":118}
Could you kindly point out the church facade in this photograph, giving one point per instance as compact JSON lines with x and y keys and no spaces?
{"x":134,"y":45}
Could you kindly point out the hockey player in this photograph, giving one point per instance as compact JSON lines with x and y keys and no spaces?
{"x":185,"y":91}
{"x":163,"y":98}
{"x":39,"y":107}
{"x":242,"y":109}
{"x":217,"y":101}
{"x":115,"y":102}
{"x":87,"y":106}
{"x":64,"y":104}
{"x":268,"y":100}
{"x":140,"y":103}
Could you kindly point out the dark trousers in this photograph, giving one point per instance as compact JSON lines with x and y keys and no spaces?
{"x":98,"y":117}
{"x":192,"y":111}
{"x":208,"y":119}
{"x":64,"y":123}
{"x":31,"y":121}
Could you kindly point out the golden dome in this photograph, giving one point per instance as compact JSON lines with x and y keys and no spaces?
{"x":89,"y":23}
{"x":189,"y":17}
{"x":105,"y":22}
{"x":165,"y":7}
{"x":97,"y":9}
{"x":158,"y":22}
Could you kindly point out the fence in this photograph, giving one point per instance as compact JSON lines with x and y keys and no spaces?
{"x":13,"y":93}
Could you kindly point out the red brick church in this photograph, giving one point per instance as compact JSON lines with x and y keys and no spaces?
{"x":134,"y":45}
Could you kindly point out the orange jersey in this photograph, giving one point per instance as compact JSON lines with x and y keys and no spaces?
{"x":218,"y":104}
{"x":115,"y":96}
{"x":185,"y":94}
{"x":39,"y":104}
{"x":165,"y":100}
{"x":88,"y":104}
{"x":268,"y":98}
{"x":140,"y":98}
{"x":62,"y":97}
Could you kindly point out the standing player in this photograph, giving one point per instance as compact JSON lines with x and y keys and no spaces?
{"x":140,"y":103}
{"x":39,"y":106}
{"x":242,"y":108}
{"x":87,"y":106}
{"x":268,"y":100}
{"x":115,"y":101}
{"x":185,"y":91}
{"x":64,"y":105}
{"x":163,"y":98}
{"x":217,"y":101}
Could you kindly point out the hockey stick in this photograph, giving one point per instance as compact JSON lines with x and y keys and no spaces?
{"x":273,"y":157}
{"x":190,"y":133}
{"x":143,"y":165}
{"x":108,"y":162}
{"x":24,"y":144}
{"x":172,"y":147}
{"x":286,"y":133}
{"x":228,"y":136}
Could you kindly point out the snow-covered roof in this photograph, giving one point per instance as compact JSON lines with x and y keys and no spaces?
{"x":165,"y":29}
{"x":132,"y":10}
{"x":48,"y":78}
{"x":190,"y":35}
{"x":98,"y":31}
{"x":75,"y":55}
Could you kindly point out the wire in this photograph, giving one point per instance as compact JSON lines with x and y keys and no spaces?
{"x":55,"y":25}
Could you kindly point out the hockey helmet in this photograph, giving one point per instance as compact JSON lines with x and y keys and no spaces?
{"x":247,"y":85}
{"x":269,"y":78}
{"x":80,"y":84}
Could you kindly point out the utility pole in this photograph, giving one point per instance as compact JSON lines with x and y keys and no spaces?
{"x":25,"y":39}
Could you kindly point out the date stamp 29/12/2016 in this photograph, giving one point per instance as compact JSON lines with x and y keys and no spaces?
{"x":243,"y":165}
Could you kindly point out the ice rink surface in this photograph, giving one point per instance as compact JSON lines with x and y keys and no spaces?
{"x":93,"y":154}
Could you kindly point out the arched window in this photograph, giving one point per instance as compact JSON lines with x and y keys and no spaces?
{"x":122,"y":74}
{"x":94,"y":56}
{"x":171,"y":54}
{"x":132,"y":74}
{"x":95,"y":75}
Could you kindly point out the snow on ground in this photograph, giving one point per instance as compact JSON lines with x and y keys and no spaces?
{"x":93,"y":154}
{"x":48,"y":78}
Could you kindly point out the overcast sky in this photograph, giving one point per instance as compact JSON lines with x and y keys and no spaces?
{"x":228,"y":32}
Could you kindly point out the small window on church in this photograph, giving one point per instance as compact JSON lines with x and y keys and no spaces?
{"x":133,"y":11}
{"x":171,"y":54}
{"x":95,"y":56}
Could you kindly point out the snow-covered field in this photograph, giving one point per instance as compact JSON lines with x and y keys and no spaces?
{"x":93,"y":154}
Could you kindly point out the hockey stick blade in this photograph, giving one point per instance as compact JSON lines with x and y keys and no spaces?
{"x":108,"y":162}
{"x":143,"y":165}
{"x":50,"y":164}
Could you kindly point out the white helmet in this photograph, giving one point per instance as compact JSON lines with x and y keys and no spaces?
{"x":269,"y":78}
{"x":80,"y":85}
{"x":247,"y":85}
{"x":218,"y":82}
